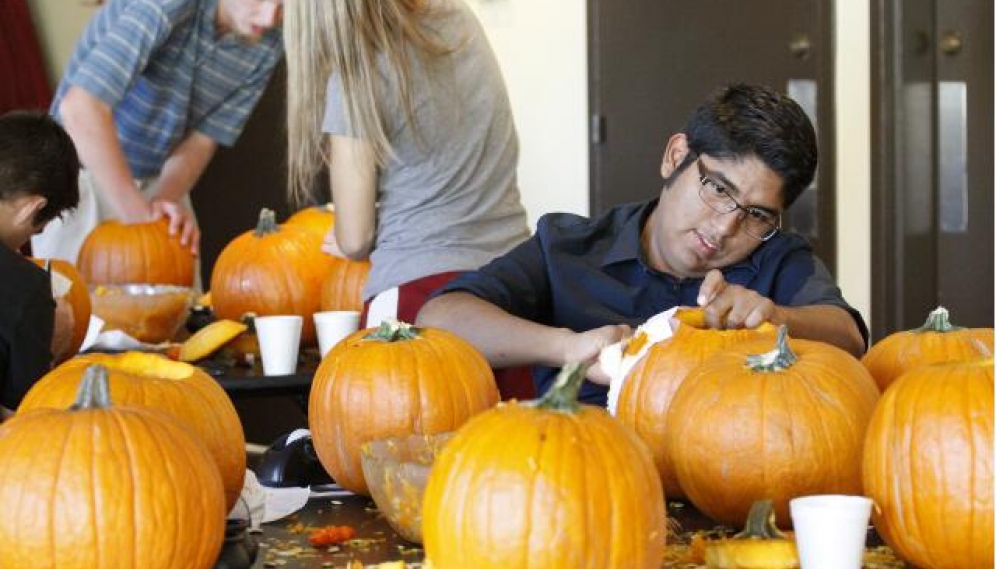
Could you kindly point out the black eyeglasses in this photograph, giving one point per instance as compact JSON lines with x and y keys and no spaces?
{"x":759,"y":223}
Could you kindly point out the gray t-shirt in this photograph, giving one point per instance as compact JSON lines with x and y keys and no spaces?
{"x":449,"y":200}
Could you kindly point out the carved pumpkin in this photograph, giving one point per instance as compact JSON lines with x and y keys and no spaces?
{"x":179,"y":390}
{"x":317,"y":218}
{"x":392,"y":381}
{"x":934,"y":342}
{"x":274,"y":269}
{"x":140,"y":253}
{"x":544,"y":484}
{"x":650,"y":386}
{"x":928,"y":465}
{"x":78,"y":298}
{"x":101,"y":486}
{"x":777,"y":425}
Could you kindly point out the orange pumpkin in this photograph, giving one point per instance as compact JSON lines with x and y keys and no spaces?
{"x":650,"y":386}
{"x":545,"y":484}
{"x":343,"y":286}
{"x":928,"y":465}
{"x":101,"y":486}
{"x":934,"y":342}
{"x":78,"y":298}
{"x":318,"y":218}
{"x":116,"y":253}
{"x":392,"y":381}
{"x":273,"y":269}
{"x":179,"y":390}
{"x":785,"y":423}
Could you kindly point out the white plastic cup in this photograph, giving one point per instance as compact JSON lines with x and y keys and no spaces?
{"x":279,"y":341}
{"x":334,"y":325}
{"x":830,"y":530}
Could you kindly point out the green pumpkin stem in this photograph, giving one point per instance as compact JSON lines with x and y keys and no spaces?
{"x":938,"y":321}
{"x":781,"y":358}
{"x":563,"y":394}
{"x":760,"y":523}
{"x":392,"y":330}
{"x":94,"y":392}
{"x":267,"y":223}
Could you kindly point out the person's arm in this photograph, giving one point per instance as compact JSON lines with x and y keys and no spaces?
{"x":179,"y":174}
{"x":62,"y":329}
{"x":733,"y":306}
{"x":506,"y":340}
{"x":90,"y":124}
{"x":353,"y":171}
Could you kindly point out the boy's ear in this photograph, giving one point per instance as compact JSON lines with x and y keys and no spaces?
{"x":28,"y":207}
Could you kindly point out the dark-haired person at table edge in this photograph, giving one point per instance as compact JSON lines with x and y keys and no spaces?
{"x":712,"y":238}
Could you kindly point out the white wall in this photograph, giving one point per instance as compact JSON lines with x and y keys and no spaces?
{"x":542,"y":48}
{"x":853,"y":103}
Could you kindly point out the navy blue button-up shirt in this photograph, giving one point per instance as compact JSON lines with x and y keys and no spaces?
{"x":582,"y":273}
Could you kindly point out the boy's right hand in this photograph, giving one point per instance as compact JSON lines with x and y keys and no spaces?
{"x":62,"y":331}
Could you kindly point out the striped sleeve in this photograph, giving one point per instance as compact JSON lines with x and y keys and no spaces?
{"x":225,"y":123}
{"x":130,"y":32}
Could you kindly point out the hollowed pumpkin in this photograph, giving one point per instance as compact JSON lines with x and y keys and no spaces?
{"x":78,"y":298}
{"x":650,"y":386}
{"x":393,"y":381}
{"x":545,"y":484}
{"x":102,"y":486}
{"x":177,"y":389}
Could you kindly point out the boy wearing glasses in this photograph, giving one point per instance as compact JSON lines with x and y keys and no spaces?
{"x":712,"y":239}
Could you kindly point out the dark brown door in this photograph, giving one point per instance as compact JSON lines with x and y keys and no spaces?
{"x":652,"y":61}
{"x":932,"y":164}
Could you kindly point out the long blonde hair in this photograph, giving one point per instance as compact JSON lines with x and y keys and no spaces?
{"x":322,"y":37}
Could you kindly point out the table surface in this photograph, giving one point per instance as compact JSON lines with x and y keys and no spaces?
{"x":284,"y":543}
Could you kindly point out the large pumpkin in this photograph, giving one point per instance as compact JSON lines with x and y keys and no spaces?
{"x":101,"y":486}
{"x":116,"y":253}
{"x":274,"y":269}
{"x":392,"y":381}
{"x":785,"y":423}
{"x":928,"y":464}
{"x":934,"y":342}
{"x":650,"y":386}
{"x":180,"y":390}
{"x":78,"y":298}
{"x":545,"y":484}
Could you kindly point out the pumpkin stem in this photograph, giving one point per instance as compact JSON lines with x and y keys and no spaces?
{"x":267,"y":223}
{"x":563,"y":394}
{"x":781,"y":358}
{"x":392,"y":330}
{"x":938,"y":321}
{"x":94,"y":392}
{"x":760,"y":522}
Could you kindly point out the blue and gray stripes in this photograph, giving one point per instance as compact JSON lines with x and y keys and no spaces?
{"x":162,"y":68}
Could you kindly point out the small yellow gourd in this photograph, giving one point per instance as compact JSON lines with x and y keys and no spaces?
{"x":759,"y":546}
{"x":208,"y":339}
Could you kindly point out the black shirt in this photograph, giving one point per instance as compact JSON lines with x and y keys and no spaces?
{"x":582,"y":273}
{"x":27,"y":318}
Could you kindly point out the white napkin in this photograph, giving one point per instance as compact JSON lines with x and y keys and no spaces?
{"x":617,"y":363}
{"x":119,"y":340}
{"x":266,"y":504}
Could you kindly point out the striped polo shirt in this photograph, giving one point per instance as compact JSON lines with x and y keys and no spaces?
{"x":164,"y":70}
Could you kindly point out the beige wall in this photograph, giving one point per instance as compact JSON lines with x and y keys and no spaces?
{"x":541,"y":45}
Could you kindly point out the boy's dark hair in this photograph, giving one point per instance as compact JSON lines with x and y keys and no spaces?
{"x":37,"y":157}
{"x":744,"y":120}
